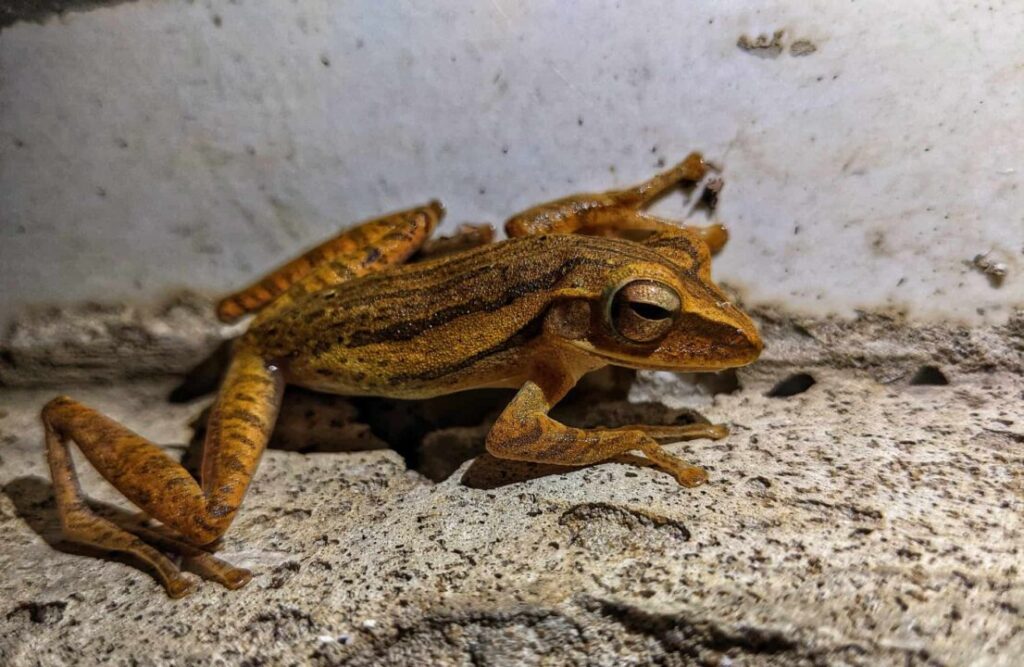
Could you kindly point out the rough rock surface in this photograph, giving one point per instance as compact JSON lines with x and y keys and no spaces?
{"x":874,"y":517}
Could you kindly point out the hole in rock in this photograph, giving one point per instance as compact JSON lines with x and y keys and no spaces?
{"x":795,"y":384}
{"x":929,"y":375}
{"x":723,"y":382}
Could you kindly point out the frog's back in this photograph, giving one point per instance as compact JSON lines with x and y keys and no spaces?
{"x":438,"y":326}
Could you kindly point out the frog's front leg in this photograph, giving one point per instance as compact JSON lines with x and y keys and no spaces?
{"x":192,"y":515}
{"x":616,"y":210}
{"x":525,"y":432}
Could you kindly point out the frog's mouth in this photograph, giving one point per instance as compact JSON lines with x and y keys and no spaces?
{"x":642,"y":363}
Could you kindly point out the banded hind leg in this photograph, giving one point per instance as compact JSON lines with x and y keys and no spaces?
{"x":616,"y":211}
{"x":367,"y":247}
{"x":193,"y":514}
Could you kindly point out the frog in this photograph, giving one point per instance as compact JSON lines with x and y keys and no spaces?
{"x":580,"y":283}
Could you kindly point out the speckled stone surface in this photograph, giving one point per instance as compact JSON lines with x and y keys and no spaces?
{"x":868,"y":520}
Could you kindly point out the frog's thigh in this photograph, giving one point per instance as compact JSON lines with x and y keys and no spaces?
{"x":390,"y":239}
{"x":239,"y":428}
{"x":524,"y":432}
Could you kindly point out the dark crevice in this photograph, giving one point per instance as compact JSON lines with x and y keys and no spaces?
{"x":795,"y":384}
{"x":929,"y":375}
{"x":205,"y":377}
{"x":45,"y":613}
{"x":723,"y":382}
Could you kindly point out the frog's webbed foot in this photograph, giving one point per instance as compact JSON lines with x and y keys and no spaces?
{"x":618,"y":212}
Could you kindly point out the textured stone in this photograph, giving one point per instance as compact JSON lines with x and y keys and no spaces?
{"x":105,"y":343}
{"x":859,"y":522}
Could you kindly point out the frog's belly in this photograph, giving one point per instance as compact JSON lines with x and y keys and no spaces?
{"x":396,"y":378}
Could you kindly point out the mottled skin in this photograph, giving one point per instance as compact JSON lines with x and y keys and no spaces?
{"x":561,"y":297}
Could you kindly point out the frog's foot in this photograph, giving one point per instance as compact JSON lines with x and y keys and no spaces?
{"x":675,"y":433}
{"x":150,"y":545}
{"x":685,"y":473}
{"x":239,"y":427}
{"x":82,"y":526}
{"x":603,"y":209}
{"x":692,"y":169}
{"x":194,"y":559}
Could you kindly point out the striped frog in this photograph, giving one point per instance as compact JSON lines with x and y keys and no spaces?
{"x":565,"y":294}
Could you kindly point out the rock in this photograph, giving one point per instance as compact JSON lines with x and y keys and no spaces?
{"x":106,"y":343}
{"x":862,"y":520}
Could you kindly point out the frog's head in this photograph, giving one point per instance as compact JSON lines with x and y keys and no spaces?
{"x":663,"y":313}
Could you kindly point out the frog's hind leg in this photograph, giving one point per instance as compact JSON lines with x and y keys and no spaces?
{"x":691,"y":170}
{"x":602,"y":209}
{"x":390,"y":239}
{"x":618,"y":212}
{"x":192,"y":514}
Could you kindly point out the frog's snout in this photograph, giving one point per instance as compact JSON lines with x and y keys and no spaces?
{"x":747,"y":343}
{"x":755,"y":343}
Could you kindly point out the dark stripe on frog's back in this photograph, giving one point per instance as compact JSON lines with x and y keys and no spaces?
{"x":383,"y":311}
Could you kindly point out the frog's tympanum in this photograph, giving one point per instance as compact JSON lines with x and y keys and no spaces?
{"x":565,"y":294}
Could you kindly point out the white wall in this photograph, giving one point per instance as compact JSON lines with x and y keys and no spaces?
{"x":152,"y":145}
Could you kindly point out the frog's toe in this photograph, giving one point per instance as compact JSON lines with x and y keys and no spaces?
{"x":178,"y":586}
{"x":691,"y":476}
{"x":211,"y":568}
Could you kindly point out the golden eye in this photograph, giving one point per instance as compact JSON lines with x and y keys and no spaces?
{"x":643,"y":311}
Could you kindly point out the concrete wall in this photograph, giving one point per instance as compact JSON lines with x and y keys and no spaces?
{"x":871,"y":152}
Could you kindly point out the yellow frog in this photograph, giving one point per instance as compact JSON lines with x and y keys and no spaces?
{"x":534,"y":312}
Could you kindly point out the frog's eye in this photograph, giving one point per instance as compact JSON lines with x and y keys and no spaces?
{"x":643,"y":311}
